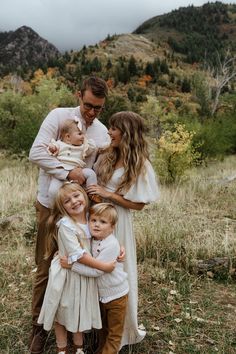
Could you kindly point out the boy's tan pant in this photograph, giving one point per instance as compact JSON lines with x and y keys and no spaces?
{"x":41,"y":276}
{"x":113,"y":318}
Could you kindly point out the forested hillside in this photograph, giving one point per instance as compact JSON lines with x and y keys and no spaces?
{"x":189,"y":107}
{"x":196,"y":32}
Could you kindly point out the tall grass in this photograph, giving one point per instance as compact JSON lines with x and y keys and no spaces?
{"x":18,"y":185}
{"x":194,"y":219}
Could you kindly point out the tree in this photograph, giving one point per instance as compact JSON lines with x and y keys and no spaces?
{"x":132,"y":67}
{"x":222,"y":74}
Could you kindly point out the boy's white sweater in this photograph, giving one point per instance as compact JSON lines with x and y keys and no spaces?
{"x":112,"y":285}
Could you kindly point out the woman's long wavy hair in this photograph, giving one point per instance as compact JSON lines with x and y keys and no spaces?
{"x":58,"y":211}
{"x":132,"y":150}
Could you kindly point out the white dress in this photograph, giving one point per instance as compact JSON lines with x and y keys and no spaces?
{"x":145,"y":190}
{"x":70,"y":299}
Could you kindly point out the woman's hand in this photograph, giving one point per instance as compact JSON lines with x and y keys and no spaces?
{"x":96,"y":189}
{"x":64,"y":263}
{"x":121,"y":257}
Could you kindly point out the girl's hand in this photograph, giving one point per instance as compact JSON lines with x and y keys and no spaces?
{"x":121,"y":257}
{"x":109,"y":266}
{"x":96,"y":189}
{"x":64,"y":263}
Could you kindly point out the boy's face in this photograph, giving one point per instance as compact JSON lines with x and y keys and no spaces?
{"x":100,"y":226}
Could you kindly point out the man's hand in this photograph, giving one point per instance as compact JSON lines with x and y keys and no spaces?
{"x":76,"y":175}
{"x":64,"y":263}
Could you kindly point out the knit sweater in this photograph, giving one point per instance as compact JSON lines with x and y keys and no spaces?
{"x":112,"y":285}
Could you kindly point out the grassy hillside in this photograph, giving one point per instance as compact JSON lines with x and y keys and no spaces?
{"x":182,"y":310}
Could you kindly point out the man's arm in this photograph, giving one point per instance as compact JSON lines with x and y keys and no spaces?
{"x":39,"y":155}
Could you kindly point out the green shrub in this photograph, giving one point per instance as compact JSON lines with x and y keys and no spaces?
{"x":174,"y":154}
{"x":21,"y":116}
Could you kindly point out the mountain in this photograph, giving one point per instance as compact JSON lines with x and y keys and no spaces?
{"x":24,"y":48}
{"x":195,"y":32}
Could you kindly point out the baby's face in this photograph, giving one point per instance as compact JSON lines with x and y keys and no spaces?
{"x":76,"y":138}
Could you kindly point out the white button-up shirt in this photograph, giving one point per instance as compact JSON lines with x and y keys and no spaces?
{"x":49,"y":165}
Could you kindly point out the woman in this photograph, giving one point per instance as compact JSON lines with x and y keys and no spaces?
{"x":127,"y":179}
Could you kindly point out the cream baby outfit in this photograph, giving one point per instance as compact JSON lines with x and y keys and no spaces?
{"x":72,"y":156}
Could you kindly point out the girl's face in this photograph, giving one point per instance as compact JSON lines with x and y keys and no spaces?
{"x":115,"y":135}
{"x":74,"y":204}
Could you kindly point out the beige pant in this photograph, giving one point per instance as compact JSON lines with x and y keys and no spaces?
{"x":113,"y":318}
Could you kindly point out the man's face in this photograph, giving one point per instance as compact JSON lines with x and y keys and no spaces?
{"x":90,"y":106}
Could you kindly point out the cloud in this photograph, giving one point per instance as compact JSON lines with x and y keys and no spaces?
{"x":69,"y":24}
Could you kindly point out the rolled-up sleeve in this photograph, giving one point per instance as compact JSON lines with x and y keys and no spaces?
{"x":39,"y":155}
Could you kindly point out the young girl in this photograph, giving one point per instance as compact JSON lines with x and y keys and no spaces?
{"x":71,"y":300}
{"x":113,"y":287}
{"x":71,"y":150}
{"x":127,"y":179}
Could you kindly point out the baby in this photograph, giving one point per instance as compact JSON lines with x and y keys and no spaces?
{"x":71,"y":150}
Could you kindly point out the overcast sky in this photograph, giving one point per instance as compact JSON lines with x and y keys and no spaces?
{"x":69,"y":24}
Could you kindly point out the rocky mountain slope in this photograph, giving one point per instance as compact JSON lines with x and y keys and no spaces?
{"x":25,"y":48}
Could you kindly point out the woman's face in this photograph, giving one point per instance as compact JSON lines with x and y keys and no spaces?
{"x":74,"y":203}
{"x":115,"y":135}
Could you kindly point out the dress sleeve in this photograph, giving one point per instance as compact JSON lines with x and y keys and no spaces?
{"x":145,"y":189}
{"x":68,"y":241}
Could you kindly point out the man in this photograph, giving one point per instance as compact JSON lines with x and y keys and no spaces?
{"x":92,"y":98}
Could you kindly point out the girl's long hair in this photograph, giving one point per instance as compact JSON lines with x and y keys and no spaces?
{"x":132,"y":150}
{"x":58,"y":211}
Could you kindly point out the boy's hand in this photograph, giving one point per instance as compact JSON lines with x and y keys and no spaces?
{"x":121,"y":257}
{"x":64,"y":263}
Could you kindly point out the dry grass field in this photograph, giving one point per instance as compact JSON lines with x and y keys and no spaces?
{"x":184,"y":310}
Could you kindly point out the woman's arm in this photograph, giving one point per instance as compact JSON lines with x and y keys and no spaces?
{"x":114,"y":197}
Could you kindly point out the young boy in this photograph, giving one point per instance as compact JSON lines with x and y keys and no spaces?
{"x":112,"y":287}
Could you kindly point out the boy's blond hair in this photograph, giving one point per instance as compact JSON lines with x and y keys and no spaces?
{"x":104,"y":209}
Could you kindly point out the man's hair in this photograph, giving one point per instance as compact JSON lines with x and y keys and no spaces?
{"x":104,"y":209}
{"x":97,"y":85}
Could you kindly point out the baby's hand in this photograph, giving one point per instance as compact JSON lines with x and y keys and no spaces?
{"x":109,"y":266}
{"x":53,"y":149}
{"x":64,"y":263}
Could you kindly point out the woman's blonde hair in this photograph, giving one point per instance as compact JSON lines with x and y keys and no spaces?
{"x":104,"y":209}
{"x":58,"y":211}
{"x":132,"y":150}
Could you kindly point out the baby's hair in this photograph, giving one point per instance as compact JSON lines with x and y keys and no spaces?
{"x":104,"y":209}
{"x":68,"y":127}
{"x":58,"y":211}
